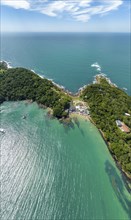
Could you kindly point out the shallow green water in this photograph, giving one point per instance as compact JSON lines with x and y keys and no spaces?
{"x":49,"y":171}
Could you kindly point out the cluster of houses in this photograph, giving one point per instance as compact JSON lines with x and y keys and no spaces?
{"x":79,"y":107}
{"x":122,"y":126}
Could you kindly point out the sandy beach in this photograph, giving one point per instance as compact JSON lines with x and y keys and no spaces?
{"x":78,"y":115}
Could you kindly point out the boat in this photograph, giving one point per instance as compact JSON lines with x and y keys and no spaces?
{"x":24,"y":117}
{"x":2,"y":130}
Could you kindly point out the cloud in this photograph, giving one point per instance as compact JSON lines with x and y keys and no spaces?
{"x":83,"y":17}
{"x":53,"y":9}
{"x":17,"y":4}
{"x":112,"y":5}
{"x":80,"y":10}
{"x":85,"y":3}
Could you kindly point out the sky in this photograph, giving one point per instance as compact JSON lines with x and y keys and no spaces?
{"x":65,"y":15}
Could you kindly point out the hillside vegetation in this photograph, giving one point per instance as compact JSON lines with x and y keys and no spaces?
{"x":21,"y":84}
{"x":108,"y":104}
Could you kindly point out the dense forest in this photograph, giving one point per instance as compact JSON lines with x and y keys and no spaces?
{"x":21,"y":84}
{"x":108,"y":104}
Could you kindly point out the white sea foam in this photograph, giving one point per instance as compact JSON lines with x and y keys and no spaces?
{"x":59,"y":86}
{"x":7,"y":63}
{"x":125,"y":88}
{"x":82,"y":88}
{"x":97,"y":66}
{"x":104,"y":76}
{"x":50,"y":79}
{"x":54,"y":83}
{"x":33,"y":71}
{"x":41,"y":76}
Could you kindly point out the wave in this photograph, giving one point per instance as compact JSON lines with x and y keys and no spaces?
{"x":33,"y":71}
{"x":97,"y":66}
{"x":54,"y":83}
{"x":82,"y":88}
{"x":104,"y":76}
{"x":8,"y":64}
{"x":59,"y":86}
{"x":98,"y":75}
{"x":41,"y":76}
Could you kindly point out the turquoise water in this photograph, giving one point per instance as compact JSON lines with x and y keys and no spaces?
{"x":67,"y":57}
{"x":49,"y":171}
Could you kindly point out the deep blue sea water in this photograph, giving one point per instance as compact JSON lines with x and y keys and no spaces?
{"x":67,"y":57}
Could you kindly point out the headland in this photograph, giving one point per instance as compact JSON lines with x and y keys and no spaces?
{"x":101,"y":102}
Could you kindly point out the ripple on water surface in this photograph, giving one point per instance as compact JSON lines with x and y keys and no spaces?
{"x":49,"y":171}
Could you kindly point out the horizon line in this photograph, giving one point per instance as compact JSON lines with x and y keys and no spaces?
{"x":64,"y":32}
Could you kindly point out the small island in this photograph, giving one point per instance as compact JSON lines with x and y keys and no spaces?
{"x":104,"y":104}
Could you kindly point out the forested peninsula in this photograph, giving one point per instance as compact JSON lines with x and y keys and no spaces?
{"x":18,"y":84}
{"x":107,"y":104}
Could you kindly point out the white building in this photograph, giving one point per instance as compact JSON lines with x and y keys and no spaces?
{"x":127,"y":114}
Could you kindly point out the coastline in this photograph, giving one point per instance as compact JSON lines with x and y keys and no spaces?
{"x":124,"y":174}
{"x":78,"y":115}
{"x":7,"y":63}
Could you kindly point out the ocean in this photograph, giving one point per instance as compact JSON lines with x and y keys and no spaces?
{"x":50,"y":171}
{"x":67,"y":57}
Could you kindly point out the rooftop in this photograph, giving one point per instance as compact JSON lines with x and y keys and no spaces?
{"x":125,"y":128}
